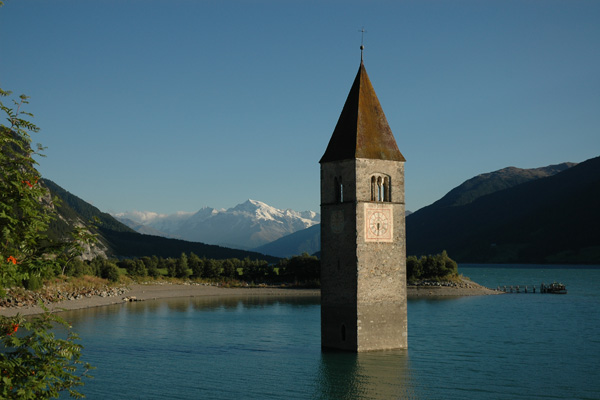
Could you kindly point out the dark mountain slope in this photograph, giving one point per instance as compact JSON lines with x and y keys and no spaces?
{"x":551,"y":219}
{"x":71,"y":208}
{"x":304,"y":241}
{"x":133,"y":244}
{"x":491,"y":182}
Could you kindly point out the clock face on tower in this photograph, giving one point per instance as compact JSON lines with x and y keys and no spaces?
{"x":378,"y":223}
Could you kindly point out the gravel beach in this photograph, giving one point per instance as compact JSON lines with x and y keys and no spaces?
{"x":141,"y":292}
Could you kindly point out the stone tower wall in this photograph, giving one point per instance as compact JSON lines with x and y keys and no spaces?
{"x":381,"y":266}
{"x":363,"y":283}
{"x":338,"y":262}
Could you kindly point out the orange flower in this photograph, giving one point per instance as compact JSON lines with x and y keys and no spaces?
{"x":28,"y":183}
{"x":12,"y":260}
{"x":15,"y":328}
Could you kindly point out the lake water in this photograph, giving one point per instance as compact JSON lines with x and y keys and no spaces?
{"x":512,"y":346}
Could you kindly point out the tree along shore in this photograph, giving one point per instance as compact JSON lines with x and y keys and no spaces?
{"x":102,"y":282}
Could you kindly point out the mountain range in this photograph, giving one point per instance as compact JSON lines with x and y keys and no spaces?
{"x":248,"y":225}
{"x":115,"y":239}
{"x":496,"y":181}
{"x":513,"y":215}
{"x":544,"y":215}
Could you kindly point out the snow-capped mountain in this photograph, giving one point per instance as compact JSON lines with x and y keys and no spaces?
{"x":245,"y":226}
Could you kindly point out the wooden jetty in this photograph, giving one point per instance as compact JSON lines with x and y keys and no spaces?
{"x":553,"y":288}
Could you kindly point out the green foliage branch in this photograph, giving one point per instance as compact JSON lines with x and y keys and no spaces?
{"x":25,"y":209}
{"x":34,"y":363}
{"x":80,"y":239}
{"x":37,"y":364}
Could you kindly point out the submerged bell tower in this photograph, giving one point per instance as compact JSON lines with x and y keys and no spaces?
{"x":363,"y":241}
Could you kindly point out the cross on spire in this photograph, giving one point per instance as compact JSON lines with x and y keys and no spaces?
{"x":362,"y":38}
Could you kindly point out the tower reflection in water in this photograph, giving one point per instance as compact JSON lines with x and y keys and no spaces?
{"x":367,"y":375}
{"x":229,"y":347}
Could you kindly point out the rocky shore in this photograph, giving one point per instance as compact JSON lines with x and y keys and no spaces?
{"x":28,"y":302}
{"x":24,"y":302}
{"x":463,"y":287}
{"x":57,"y":299}
{"x":26,"y":298}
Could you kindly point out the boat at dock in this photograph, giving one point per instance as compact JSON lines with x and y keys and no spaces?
{"x":554,"y":288}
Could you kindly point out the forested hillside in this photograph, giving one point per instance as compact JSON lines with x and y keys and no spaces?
{"x":547,"y":220}
{"x":495,"y":181}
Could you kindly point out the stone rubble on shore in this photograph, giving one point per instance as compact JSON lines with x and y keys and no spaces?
{"x":458,"y":287}
{"x":27,"y":298}
{"x":19,"y":300}
{"x":22,"y":298}
{"x":462,"y":284}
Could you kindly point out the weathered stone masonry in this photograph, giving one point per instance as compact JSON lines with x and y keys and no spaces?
{"x":363,"y":252}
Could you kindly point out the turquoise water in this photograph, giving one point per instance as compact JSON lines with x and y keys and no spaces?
{"x":510,"y":346}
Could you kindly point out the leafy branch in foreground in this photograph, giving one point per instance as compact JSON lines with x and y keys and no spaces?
{"x":24,"y":209}
{"x":34,"y":363}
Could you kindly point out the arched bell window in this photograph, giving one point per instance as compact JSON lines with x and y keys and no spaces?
{"x":381,"y":188}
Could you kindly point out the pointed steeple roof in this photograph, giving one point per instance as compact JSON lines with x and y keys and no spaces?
{"x":362,"y":130}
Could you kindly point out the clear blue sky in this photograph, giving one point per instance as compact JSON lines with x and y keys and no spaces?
{"x":177,"y":104}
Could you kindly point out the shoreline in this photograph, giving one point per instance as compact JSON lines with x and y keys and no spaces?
{"x":156,"y":291}
{"x":465,"y":287}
